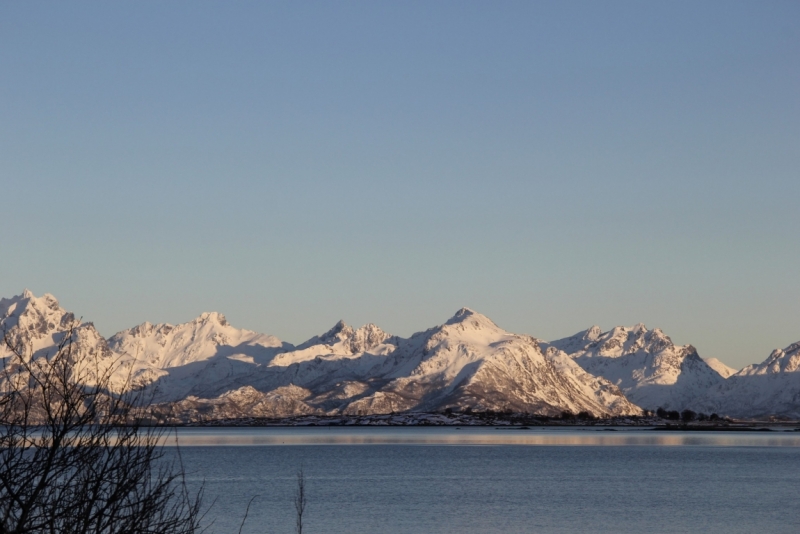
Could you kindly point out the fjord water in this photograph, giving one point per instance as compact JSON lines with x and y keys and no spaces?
{"x":443,"y":480}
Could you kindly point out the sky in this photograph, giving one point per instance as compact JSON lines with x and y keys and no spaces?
{"x":552,"y":165}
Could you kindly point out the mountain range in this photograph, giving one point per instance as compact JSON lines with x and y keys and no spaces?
{"x":207,"y":369}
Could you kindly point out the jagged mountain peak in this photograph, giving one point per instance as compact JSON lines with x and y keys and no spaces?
{"x":40,"y":315}
{"x":31,"y":320}
{"x":592,"y":333}
{"x":579,"y":341}
{"x":786,"y":360}
{"x":342,"y":338}
{"x":35,"y":326}
{"x":340,"y":327}
{"x":463,"y":312}
{"x":636,"y":330}
{"x":340,"y":332}
{"x":622,"y":340}
{"x":29,"y":295}
{"x":619,"y":341}
{"x":142,"y":329}
{"x":165,"y":345}
{"x":212,"y":321}
{"x":207,"y":317}
{"x":27,"y":299}
{"x":366,"y":338}
{"x":649,"y":368}
{"x":466,"y":317}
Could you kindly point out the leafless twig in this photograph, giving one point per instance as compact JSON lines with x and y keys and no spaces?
{"x":300,"y":499}
{"x":246,"y":511}
{"x":78,"y":454}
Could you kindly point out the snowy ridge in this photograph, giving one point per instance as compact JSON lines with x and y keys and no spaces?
{"x":723,"y":370}
{"x":780,"y":361}
{"x":32,"y":324}
{"x":35,"y":326}
{"x":207,"y":369}
{"x":466,"y":362}
{"x":244,"y":402}
{"x":771,"y":388}
{"x":645,"y":364}
{"x":166,"y":346}
{"x":341,"y":341}
{"x":470,"y":361}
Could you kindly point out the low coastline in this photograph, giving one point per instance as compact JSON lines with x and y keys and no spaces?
{"x":499,"y":420}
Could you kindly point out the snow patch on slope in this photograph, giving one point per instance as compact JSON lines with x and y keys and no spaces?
{"x":723,"y":370}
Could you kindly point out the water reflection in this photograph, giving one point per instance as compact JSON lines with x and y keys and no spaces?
{"x":190,"y":437}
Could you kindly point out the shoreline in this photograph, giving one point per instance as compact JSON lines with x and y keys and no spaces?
{"x":501,"y":421}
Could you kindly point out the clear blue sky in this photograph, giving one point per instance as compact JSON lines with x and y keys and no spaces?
{"x":552,"y":165}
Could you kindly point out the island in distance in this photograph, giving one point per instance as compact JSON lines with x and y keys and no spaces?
{"x":207,"y":370}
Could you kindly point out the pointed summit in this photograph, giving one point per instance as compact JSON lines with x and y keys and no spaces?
{"x":579,"y":341}
{"x":35,"y":325}
{"x":39,"y":316}
{"x":464,"y":312}
{"x":466,"y":316}
{"x":339,"y":332}
{"x":593,"y":333}
{"x":211,"y":316}
{"x":338,"y":327}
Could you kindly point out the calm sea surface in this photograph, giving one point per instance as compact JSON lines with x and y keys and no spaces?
{"x":437,"y":480}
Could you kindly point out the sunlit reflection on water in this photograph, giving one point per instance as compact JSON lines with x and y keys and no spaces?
{"x":479,"y":436}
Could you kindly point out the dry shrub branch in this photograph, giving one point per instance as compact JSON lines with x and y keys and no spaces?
{"x":78,"y":456}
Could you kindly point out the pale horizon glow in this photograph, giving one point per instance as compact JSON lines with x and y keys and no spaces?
{"x":550,"y":165}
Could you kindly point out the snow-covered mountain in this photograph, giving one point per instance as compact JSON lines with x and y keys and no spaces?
{"x":192,"y":357}
{"x":166,"y":346}
{"x":208,"y":369}
{"x":645,"y":364}
{"x":771,"y":388}
{"x":466,"y":362}
{"x":35,"y":327}
{"x":31,"y":324}
{"x":471,"y":362}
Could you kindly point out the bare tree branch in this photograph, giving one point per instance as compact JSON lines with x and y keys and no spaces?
{"x":78,"y":455}
{"x":300,"y":500}
{"x":246,"y":511}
